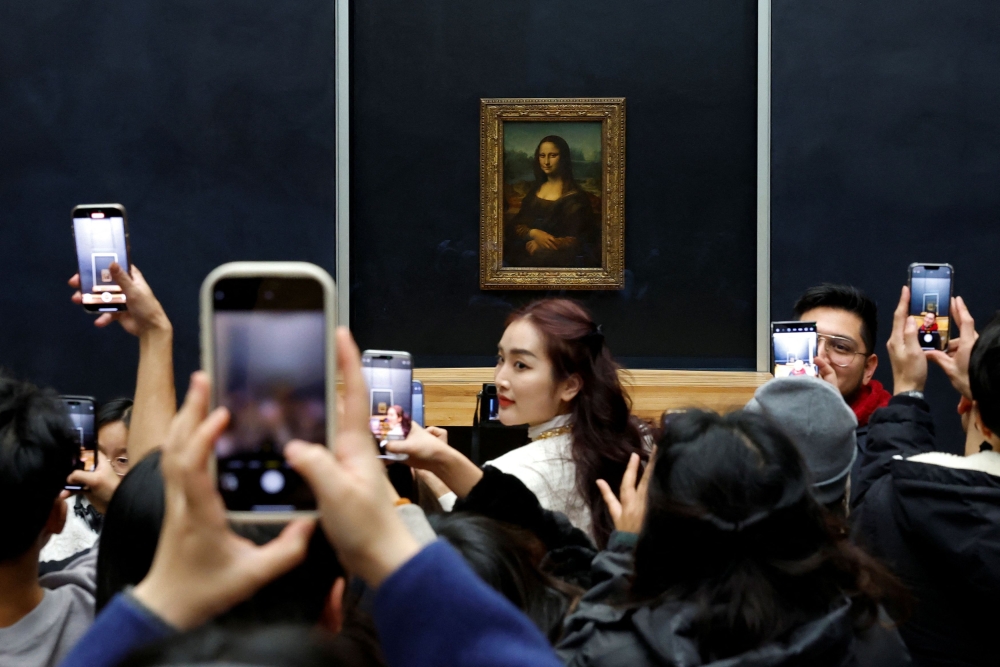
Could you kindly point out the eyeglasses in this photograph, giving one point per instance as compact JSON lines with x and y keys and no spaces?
{"x":839,"y":350}
{"x":120,"y":465}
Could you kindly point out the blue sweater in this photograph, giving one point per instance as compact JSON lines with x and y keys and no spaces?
{"x":433,"y":611}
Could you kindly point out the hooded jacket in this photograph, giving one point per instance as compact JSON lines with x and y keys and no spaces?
{"x":934,"y":519}
{"x":601,"y":633}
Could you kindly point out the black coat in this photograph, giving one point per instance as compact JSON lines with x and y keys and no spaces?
{"x":604,"y":633}
{"x":937,"y":527}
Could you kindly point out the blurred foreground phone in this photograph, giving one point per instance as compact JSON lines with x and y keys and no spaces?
{"x":793,"y":346}
{"x":417,"y":397}
{"x":389,"y":377}
{"x":82,"y":415}
{"x":930,"y":302}
{"x":101,"y":233}
{"x":267,"y":343}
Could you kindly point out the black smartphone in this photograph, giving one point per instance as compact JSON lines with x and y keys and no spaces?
{"x":489,"y":405}
{"x":389,"y":376}
{"x":793,"y":348}
{"x":268,"y":345}
{"x":930,"y":302}
{"x":417,"y":399}
{"x":82,"y":413}
{"x":101,"y":233}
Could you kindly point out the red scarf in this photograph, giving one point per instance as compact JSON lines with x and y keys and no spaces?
{"x":870,"y":398}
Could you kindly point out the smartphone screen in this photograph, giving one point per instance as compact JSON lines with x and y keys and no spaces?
{"x":270,"y":360}
{"x":81,"y":413}
{"x":389,"y":376}
{"x":930,"y":300}
{"x":101,"y":240}
{"x":417,"y":397}
{"x":794,"y":346}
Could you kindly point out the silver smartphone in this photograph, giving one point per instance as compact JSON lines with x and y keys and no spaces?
{"x":101,"y":235}
{"x":389,"y":376}
{"x":268,"y":345}
{"x":930,"y":302}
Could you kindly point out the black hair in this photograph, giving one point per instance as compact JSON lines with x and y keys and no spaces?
{"x":115,"y":410}
{"x":843,"y":297}
{"x":507,"y":558}
{"x":38,"y":451}
{"x":732,"y":528}
{"x":261,"y":646}
{"x":984,"y":374}
{"x":565,"y":163}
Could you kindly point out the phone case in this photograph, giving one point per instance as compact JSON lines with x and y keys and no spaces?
{"x":99,"y":262}
{"x":274,"y":270}
{"x":931,"y":302}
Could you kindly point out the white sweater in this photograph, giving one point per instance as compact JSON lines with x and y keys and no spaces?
{"x":546,"y":467}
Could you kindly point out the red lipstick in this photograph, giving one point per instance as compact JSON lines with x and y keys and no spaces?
{"x":505,"y":402}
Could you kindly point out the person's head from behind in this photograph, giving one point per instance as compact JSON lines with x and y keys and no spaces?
{"x":984,"y":381}
{"x":552,"y":361}
{"x":508,"y":558}
{"x":823,"y":428}
{"x":113,"y":420}
{"x":847,"y":323}
{"x":37,"y":452}
{"x":759,"y":555}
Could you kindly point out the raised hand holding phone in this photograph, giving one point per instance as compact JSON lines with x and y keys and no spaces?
{"x":955,"y":362}
{"x":909,"y":363}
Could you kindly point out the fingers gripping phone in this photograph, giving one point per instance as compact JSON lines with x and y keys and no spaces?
{"x":267,"y":336}
{"x":389,"y":377}
{"x":930,"y":303}
{"x":82,"y":414}
{"x":101,"y":234}
{"x":793,"y":345}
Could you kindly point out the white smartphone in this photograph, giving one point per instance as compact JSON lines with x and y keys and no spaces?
{"x":389,"y":376}
{"x":268,"y":345}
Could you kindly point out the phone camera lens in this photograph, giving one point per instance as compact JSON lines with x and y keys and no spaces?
{"x":219,"y":295}
{"x":268,"y":295}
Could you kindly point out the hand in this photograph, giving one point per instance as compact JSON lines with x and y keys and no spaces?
{"x":629,"y":513}
{"x":357,"y":513}
{"x":201,"y":568}
{"x":955,"y":362}
{"x":909,"y":363}
{"x":144,"y":314}
{"x":827,"y":373}
{"x":428,"y":450}
{"x":532,"y":247}
{"x":544,"y":239}
{"x":99,"y":484}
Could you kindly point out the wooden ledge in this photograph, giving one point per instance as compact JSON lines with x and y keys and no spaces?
{"x":450,"y":393}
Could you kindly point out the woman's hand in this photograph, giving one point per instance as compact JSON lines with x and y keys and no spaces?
{"x":202,"y":567}
{"x":544,"y":239}
{"x":428,"y":449}
{"x":357,"y":512}
{"x":629,"y":512}
{"x":955,"y":362}
{"x":531,"y":247}
{"x":99,"y":484}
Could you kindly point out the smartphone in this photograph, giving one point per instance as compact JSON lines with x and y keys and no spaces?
{"x":267,"y":342}
{"x":489,"y":404}
{"x":389,"y":376}
{"x":793,"y":345}
{"x":101,"y":233}
{"x":82,"y":414}
{"x":417,"y":398}
{"x":930,"y":302}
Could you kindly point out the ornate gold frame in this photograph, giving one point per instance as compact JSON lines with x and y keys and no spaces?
{"x":493,"y":112}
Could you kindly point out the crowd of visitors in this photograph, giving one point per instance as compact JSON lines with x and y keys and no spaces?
{"x":821,"y":524}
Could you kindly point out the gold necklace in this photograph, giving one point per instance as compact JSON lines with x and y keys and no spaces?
{"x":553,"y":432}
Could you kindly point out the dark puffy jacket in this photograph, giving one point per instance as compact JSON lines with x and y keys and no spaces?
{"x":934,"y":519}
{"x":604,"y":634}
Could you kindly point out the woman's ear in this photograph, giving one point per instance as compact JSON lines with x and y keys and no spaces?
{"x":570,"y":387}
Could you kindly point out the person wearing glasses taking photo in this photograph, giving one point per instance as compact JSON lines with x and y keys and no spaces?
{"x":847,"y":324}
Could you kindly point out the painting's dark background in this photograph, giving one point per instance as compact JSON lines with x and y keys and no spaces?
{"x":885,"y":132}
{"x":212,"y":122}
{"x":687,"y":69}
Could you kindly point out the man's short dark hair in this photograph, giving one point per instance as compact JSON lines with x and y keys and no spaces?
{"x":984,"y":374}
{"x":37,"y":453}
{"x":843,"y":297}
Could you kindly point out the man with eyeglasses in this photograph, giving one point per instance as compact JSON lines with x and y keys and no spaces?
{"x":847,"y":325}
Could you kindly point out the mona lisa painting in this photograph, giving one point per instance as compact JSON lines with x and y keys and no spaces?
{"x":552,"y":175}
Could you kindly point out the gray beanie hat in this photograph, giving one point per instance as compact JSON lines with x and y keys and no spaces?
{"x":820,"y":423}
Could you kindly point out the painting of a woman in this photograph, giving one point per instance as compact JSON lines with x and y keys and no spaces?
{"x":556,"y":225}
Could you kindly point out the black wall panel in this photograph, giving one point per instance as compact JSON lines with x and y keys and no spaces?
{"x":886,"y":150}
{"x":213,"y":122}
{"x":687,"y":69}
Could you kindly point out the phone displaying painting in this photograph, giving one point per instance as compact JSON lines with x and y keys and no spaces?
{"x":552,"y":193}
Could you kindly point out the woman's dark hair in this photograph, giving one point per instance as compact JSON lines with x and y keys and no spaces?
{"x":131,"y":529}
{"x":732,"y":527}
{"x":604,"y":433}
{"x":115,"y":410}
{"x":565,"y":163}
{"x":508,"y":558}
{"x":984,"y":374}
